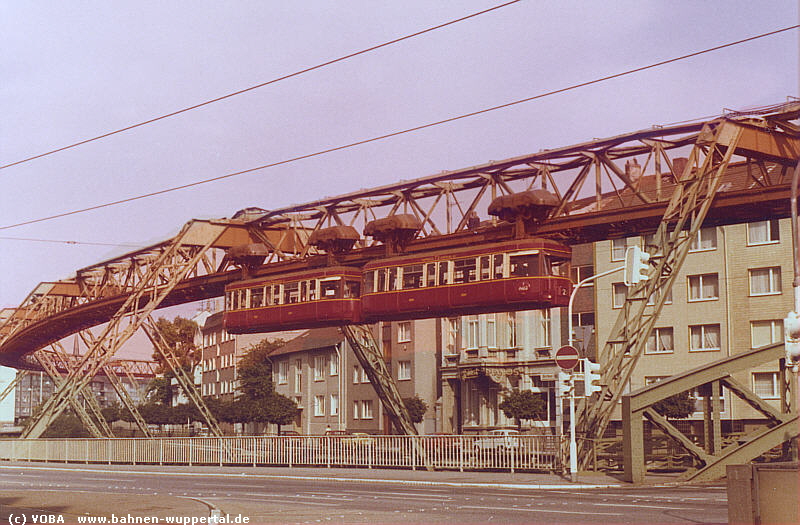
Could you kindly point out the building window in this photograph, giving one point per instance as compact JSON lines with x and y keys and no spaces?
{"x":364,"y":377}
{"x":355,"y":374}
{"x":704,"y":337}
{"x":667,"y":300}
{"x":618,"y":247}
{"x":471,"y":339}
{"x":620,"y":291}
{"x":334,"y":364}
{"x":403,"y":370}
{"x":319,"y":367}
{"x":706,"y":239}
{"x":765,"y":384}
{"x":765,"y":281}
{"x":283,"y":372}
{"x":703,"y":287}
{"x":334,"y":405}
{"x":545,"y":329}
{"x":319,"y":405}
{"x":356,"y":405}
{"x":579,"y":273}
{"x":491,"y":331}
{"x":651,"y":245}
{"x":511,"y":319}
{"x":298,"y":375}
{"x":763,"y":333}
{"x":660,"y":341}
{"x":452,"y":337}
{"x":763,"y":232}
{"x":366,"y":409}
{"x":404,"y":332}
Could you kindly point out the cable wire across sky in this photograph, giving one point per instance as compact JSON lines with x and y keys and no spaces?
{"x":257,"y":86}
{"x":403,"y":131}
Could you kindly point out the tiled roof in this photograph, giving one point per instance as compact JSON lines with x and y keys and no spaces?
{"x":311,"y":340}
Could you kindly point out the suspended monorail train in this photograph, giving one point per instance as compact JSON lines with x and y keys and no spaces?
{"x":514,"y":275}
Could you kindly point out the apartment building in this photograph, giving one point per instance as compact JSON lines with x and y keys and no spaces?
{"x":730,"y":295}
{"x":487,"y":355}
{"x":34,"y":388}
{"x":319,"y":370}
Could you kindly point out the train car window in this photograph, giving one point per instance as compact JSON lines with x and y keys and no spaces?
{"x":430,"y":275}
{"x":276,"y":294}
{"x":524,"y":265}
{"x":257,"y":297}
{"x":412,"y":276}
{"x":559,"y":267}
{"x":312,"y":290}
{"x":381,"y":280}
{"x":498,"y":266}
{"x":303,"y":291}
{"x":464,"y":270}
{"x":228,"y":301}
{"x":444,"y":273}
{"x":331,"y":289}
{"x":351,"y":289}
{"x":369,"y":281}
{"x":392,"y":279}
{"x":291,"y":293}
{"x":485,"y":267}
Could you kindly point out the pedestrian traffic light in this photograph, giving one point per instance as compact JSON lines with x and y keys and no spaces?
{"x":564,"y":384}
{"x":791,"y":331}
{"x":591,"y":377}
{"x":636,"y":266}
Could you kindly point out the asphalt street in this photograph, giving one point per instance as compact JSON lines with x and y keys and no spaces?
{"x":283,"y":495}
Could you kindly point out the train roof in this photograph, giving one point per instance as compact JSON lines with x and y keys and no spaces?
{"x":549,"y":245}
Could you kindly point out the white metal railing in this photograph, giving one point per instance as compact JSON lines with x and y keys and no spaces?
{"x":532,"y":452}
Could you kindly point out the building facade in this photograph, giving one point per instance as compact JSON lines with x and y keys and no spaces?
{"x":730,"y":295}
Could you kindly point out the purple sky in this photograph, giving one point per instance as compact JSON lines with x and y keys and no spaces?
{"x":73,"y":70}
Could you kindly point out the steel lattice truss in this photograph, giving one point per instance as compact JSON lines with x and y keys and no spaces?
{"x":599,"y":185}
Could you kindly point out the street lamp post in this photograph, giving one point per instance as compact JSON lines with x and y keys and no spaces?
{"x":573,"y":445}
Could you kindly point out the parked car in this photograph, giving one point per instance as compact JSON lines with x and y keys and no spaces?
{"x":502,"y":439}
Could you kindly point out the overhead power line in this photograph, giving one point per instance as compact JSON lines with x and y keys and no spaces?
{"x":400,"y":132}
{"x":257,"y":86}
{"x":82,"y":243}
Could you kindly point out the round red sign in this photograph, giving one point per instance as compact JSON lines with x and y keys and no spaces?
{"x":567,"y":357}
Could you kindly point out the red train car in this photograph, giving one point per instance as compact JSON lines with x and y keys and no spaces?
{"x":515,"y":275}
{"x":307,"y":299}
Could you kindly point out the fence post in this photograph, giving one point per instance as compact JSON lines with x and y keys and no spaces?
{"x":108,"y":450}
{"x":190,"y":452}
{"x":133,"y":459}
{"x":220,"y":452}
{"x":86,"y":459}
{"x":160,"y":451}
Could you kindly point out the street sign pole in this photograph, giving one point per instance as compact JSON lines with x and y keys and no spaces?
{"x":573,"y":446}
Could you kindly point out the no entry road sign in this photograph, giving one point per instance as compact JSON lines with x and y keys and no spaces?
{"x":567,"y":357}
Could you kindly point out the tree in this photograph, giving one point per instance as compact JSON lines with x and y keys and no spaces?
{"x":112,"y":413}
{"x":257,"y":400}
{"x":524,"y":405}
{"x":679,"y":406}
{"x":416,"y":408}
{"x":179,"y":336}
{"x":66,"y":425}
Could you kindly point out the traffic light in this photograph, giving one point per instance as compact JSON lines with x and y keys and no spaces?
{"x":591,"y":377}
{"x":791,"y":331}
{"x":636,"y":266}
{"x":564,"y":384}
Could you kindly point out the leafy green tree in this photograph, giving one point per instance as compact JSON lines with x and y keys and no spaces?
{"x":257,"y":400}
{"x":679,"y":406}
{"x":416,"y":408}
{"x":159,"y":391}
{"x":112,"y":413}
{"x":179,"y":336}
{"x":524,"y":405}
{"x":66,"y":425}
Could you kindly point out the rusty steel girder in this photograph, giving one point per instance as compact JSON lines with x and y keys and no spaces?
{"x":600,"y":186}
